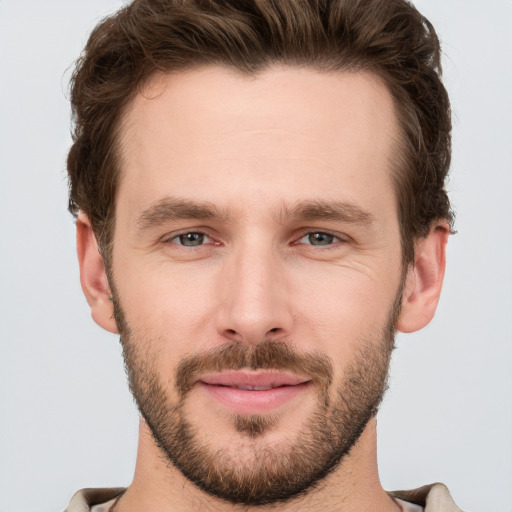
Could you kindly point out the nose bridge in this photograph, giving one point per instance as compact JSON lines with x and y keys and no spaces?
{"x":255,"y":305}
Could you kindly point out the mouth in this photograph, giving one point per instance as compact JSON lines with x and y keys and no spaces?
{"x":254,"y":392}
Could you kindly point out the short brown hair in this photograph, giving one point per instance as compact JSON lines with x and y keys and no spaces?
{"x":387,"y":37}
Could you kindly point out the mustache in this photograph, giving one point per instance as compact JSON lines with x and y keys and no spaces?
{"x":268,"y":355}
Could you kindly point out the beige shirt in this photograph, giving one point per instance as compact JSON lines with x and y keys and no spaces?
{"x":430,"y":498}
{"x":404,"y":505}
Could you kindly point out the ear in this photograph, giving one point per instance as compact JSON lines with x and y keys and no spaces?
{"x":93,"y":277}
{"x":424,"y":280}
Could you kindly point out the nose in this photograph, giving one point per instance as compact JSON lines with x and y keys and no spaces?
{"x":254,"y":299}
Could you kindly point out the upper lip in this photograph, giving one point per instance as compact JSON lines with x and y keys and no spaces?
{"x":253,"y":380}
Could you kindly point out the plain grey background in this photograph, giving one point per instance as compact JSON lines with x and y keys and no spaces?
{"x":67,"y":419}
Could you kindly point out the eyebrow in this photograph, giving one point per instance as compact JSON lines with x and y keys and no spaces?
{"x":174,"y":208}
{"x":339,"y":211}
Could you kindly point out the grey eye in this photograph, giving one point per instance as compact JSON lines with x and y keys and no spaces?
{"x":190,"y":239}
{"x":318,"y":239}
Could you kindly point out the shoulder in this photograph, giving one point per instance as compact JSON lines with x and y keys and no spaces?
{"x":434,"y":497}
{"x":83,"y":500}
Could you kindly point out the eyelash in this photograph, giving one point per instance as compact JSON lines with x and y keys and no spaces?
{"x":336,"y":238}
{"x":184,"y":233}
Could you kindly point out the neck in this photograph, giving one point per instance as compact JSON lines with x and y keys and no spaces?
{"x":158,"y":486}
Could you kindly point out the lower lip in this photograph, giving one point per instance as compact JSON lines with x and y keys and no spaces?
{"x":244,"y":401}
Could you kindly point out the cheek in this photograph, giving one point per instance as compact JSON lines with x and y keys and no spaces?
{"x":343,"y":308}
{"x":176,"y":305}
{"x":166,"y":306}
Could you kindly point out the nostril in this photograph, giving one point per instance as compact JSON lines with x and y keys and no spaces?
{"x":273,"y":330}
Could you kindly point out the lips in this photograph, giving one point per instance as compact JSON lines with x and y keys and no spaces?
{"x":253,"y":392}
{"x":252,"y":380}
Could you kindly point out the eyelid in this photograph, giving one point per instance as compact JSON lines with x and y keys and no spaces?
{"x":169,"y":237}
{"x":340,"y":237}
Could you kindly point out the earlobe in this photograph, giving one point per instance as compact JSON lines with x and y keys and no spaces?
{"x":424,"y":280}
{"x":93,"y":276}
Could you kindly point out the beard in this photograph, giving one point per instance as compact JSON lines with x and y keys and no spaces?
{"x":273,"y":472}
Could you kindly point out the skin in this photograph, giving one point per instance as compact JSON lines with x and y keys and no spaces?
{"x":256,"y":149}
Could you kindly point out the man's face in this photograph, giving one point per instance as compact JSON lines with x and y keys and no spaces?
{"x":256,"y":271}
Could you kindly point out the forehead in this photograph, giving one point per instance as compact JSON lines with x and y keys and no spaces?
{"x":282,"y":131}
